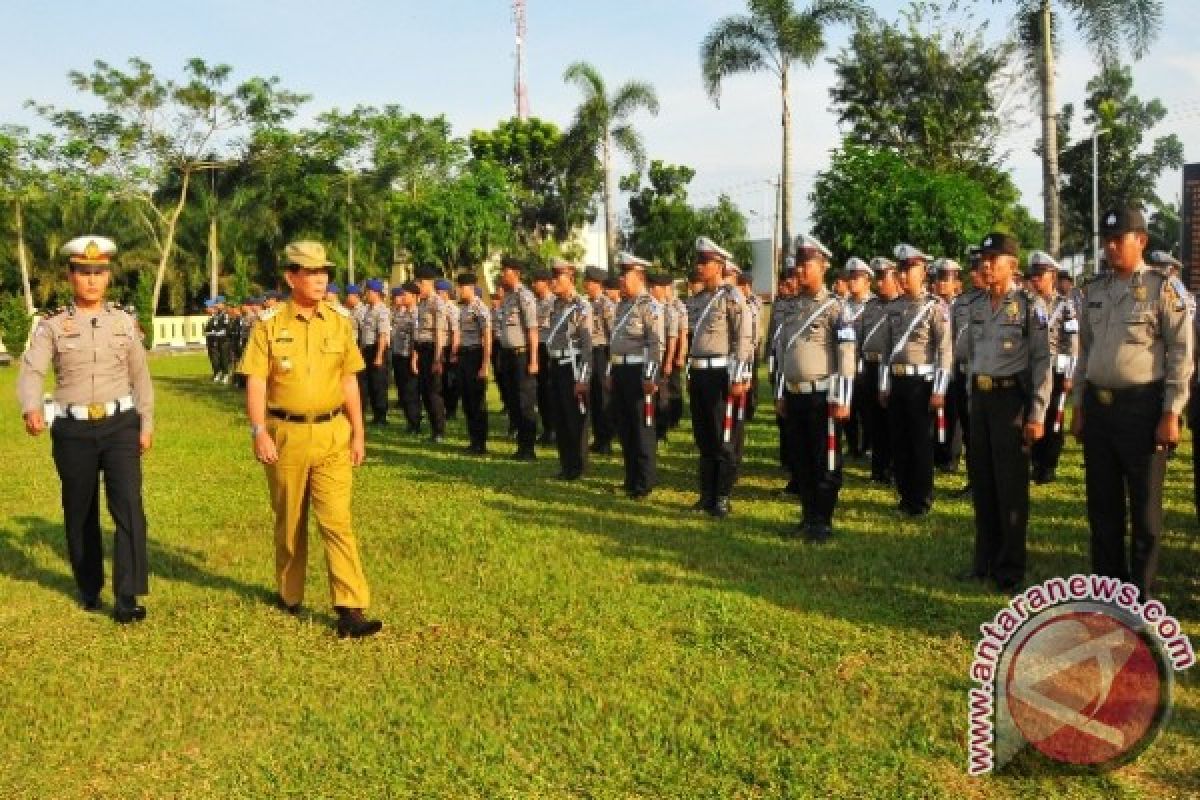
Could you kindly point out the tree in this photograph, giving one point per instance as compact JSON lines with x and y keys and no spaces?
{"x":1128,"y":172}
{"x":603,"y":120}
{"x":1105,"y":25}
{"x":773,"y":37}
{"x":153,"y":128}
{"x":22,"y":180}
{"x":930,"y":97}
{"x":1164,"y":228}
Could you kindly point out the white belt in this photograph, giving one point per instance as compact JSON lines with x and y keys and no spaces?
{"x":561,"y":354}
{"x":95,"y":411}
{"x":563,"y":362}
{"x":716,"y":362}
{"x":912,"y":369}
{"x":632,"y":358}
{"x":1062,"y":363}
{"x":807,"y":387}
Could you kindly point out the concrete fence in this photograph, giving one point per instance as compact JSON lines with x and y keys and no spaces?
{"x":177,"y":332}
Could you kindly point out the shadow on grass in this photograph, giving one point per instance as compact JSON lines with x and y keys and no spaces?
{"x":228,"y":399}
{"x":21,"y":541}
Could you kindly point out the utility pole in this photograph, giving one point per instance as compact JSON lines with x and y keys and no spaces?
{"x":520,"y":91}
{"x":1096,"y":134}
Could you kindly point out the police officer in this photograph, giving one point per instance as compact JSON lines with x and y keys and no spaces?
{"x":1131,"y":385}
{"x":914,"y":378}
{"x":451,"y":388}
{"x":602,"y":317}
{"x":633,"y":365}
{"x":540,"y":284}
{"x":374,"y":332}
{"x":356,"y":307}
{"x":569,"y":350}
{"x":430,"y":340}
{"x":783,"y":308}
{"x":674,"y":327}
{"x":960,"y":321}
{"x":719,"y":365}
{"x":815,"y":354}
{"x":871,"y":333}
{"x":307,"y":430}
{"x":754,"y":308}
{"x":1062,"y":329}
{"x":215,"y":331}
{"x":404,"y":301}
{"x":519,"y":364}
{"x":474,"y":358}
{"x":1008,"y":365}
{"x":858,"y":285}
{"x":677,"y":369}
{"x":333,"y":294}
{"x":101,"y":420}
{"x":948,"y":439}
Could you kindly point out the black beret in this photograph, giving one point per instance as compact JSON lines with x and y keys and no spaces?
{"x":412,"y":288}
{"x":467,"y":279}
{"x":1117,"y":221}
{"x":540,"y":274}
{"x":510,"y":262}
{"x":612,"y":283}
{"x":427,"y":272}
{"x":595,"y":274}
{"x":660,"y":279}
{"x":1000,"y":243}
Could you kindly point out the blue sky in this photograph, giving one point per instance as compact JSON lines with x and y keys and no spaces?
{"x":455,"y":57}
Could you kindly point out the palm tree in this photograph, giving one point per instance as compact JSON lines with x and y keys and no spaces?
{"x":1104,"y":25}
{"x":771,"y":38}
{"x":605,"y":119}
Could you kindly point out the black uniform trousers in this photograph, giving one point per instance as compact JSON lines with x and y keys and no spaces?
{"x":500,"y":387}
{"x":818,"y":486}
{"x":474,"y":394}
{"x":521,"y":390}
{"x":430,"y":388}
{"x":948,"y":454}
{"x":1194,"y":423}
{"x":752,"y":391}
{"x":1047,"y":450}
{"x":572,"y":423}
{"x":998,"y":469}
{"x":962,"y":404}
{"x":213,"y":344}
{"x":856,"y":429}
{"x":545,"y":398}
{"x":639,"y":441}
{"x":670,"y":402}
{"x":911,"y":423}
{"x":876,"y":418}
{"x":602,"y":426}
{"x":81,"y":451}
{"x":1124,"y":475}
{"x":225,"y":354}
{"x":373,"y":385}
{"x":407,"y":395}
{"x":452,"y":389}
{"x":708,"y":393}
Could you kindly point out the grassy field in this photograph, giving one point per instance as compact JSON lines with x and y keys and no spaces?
{"x":541,"y":640}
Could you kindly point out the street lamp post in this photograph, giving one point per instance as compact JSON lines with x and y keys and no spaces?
{"x":1096,"y":134}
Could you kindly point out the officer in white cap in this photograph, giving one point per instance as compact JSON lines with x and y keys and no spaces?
{"x":1062,"y":329}
{"x":101,"y":419}
{"x":783,"y":308}
{"x":871,"y":331}
{"x":960,"y":320}
{"x":858,"y":294}
{"x":947,"y":450}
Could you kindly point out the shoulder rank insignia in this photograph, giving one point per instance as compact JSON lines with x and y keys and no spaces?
{"x":1012,"y":310}
{"x":1139,"y":294}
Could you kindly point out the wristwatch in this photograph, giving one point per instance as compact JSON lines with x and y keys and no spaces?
{"x":255,"y":430}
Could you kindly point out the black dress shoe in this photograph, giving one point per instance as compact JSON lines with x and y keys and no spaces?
{"x":963,"y":492}
{"x":818,"y":533}
{"x":437,"y":438}
{"x":546,"y":439}
{"x":353,"y":624}
{"x":525,"y":455}
{"x":127,"y":610}
{"x":885,"y":480}
{"x":703,"y":504}
{"x":973,"y":575}
{"x":721,"y":508}
{"x":292,"y":609}
{"x":638,"y":494}
{"x":89,"y":602}
{"x":1008,"y":585}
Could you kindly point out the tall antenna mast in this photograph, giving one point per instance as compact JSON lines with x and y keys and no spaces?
{"x":519,"y":90}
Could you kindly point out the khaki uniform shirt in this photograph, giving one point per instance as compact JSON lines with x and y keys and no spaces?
{"x":824,"y":347}
{"x":518,"y":315}
{"x":303,"y":361}
{"x":475,"y":323}
{"x":97,"y":358}
{"x":723,"y":326}
{"x":929,"y":341}
{"x":603,"y":311}
{"x":782,"y":309}
{"x":639,"y":330}
{"x":1012,"y":340}
{"x":1134,"y":332}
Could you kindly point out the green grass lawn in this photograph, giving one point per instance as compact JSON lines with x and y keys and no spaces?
{"x":541,"y":640}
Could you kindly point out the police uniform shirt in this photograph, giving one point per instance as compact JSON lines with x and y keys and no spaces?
{"x":571,"y":330}
{"x":754,"y":307}
{"x":97,"y":358}
{"x":356,"y":317}
{"x":671,"y":326}
{"x":475,"y":323}
{"x":402,"y":331}
{"x":518,"y":314}
{"x":872,"y":329}
{"x":603,"y":316}
{"x":304,"y":361}
{"x":929,"y":340}
{"x":1062,"y":331}
{"x":375,"y":324}
{"x":723,"y":327}
{"x":783,"y":309}
{"x":545,"y":315}
{"x":823,"y":347}
{"x":1012,"y":340}
{"x":639,"y":330}
{"x":960,"y":320}
{"x":1134,"y":332}
{"x":453,"y":320}
{"x":681,"y":314}
{"x":430,"y":325}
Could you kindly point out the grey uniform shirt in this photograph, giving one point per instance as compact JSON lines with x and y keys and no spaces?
{"x":872,"y":329}
{"x":375,"y":324}
{"x":402,"y":331}
{"x":754,"y":306}
{"x":518,"y":315}
{"x":545,"y":315}
{"x":603,"y":317}
{"x":1012,"y":340}
{"x":571,"y":332}
{"x":782,"y":309}
{"x":639,"y":330}
{"x":1134,"y":332}
{"x":1062,"y":327}
{"x":430,"y":324}
{"x":929,"y":340}
{"x":817,"y":341}
{"x":723,"y":327}
{"x":357,"y":315}
{"x":960,"y":320}
{"x":97,"y":358}
{"x":453,"y":319}
{"x":475,"y":323}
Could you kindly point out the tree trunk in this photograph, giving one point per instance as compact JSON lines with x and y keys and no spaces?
{"x":169,"y":241}
{"x":23,"y":254}
{"x":1053,"y":224}
{"x":786,"y":172}
{"x":350,"y":232}
{"x":214,"y":258}
{"x":610,"y":217}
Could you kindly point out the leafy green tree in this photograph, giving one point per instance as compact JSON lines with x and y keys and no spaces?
{"x":772,"y":37}
{"x":603,"y":121}
{"x":1164,"y":228}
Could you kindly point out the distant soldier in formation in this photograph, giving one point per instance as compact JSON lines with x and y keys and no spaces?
{"x":1008,"y":362}
{"x":404,"y":302}
{"x":960,"y":319}
{"x":634,"y":361}
{"x":719,"y":365}
{"x":948,"y":439}
{"x":216,"y":338}
{"x":356,"y":307}
{"x":782,"y":310}
{"x":430,"y":340}
{"x":540,"y":285}
{"x":602,"y":317}
{"x":374,"y":332}
{"x":569,"y":352}
{"x":914,"y":379}
{"x":452,"y":388}
{"x":1062,"y":329}
{"x":518,"y":365}
{"x":333,"y":294}
{"x":755,"y":310}
{"x":872,"y":333}
{"x":675,"y":376}
{"x":1131,"y":385}
{"x":674,"y":327}
{"x":496,"y":304}
{"x":858,"y":284}
{"x":474,"y":359}
{"x":815,"y":353}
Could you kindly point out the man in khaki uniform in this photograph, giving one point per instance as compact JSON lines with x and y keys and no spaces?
{"x":103,"y":421}
{"x":306,"y":422}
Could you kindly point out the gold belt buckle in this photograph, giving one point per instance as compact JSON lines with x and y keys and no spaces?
{"x":1105,"y":396}
{"x":96,"y":411}
{"x":984,"y":382}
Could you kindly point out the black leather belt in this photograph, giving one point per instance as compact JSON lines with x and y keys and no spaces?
{"x":1106,"y":397}
{"x":992,"y":383}
{"x":279,"y":413}
{"x":516,"y":351}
